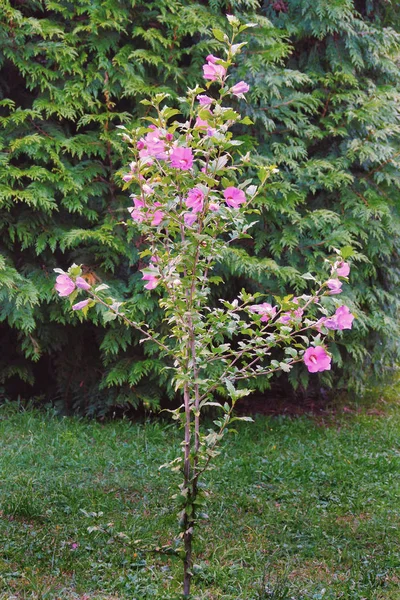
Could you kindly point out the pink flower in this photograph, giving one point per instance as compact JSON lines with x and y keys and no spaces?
{"x":234,"y":197}
{"x":147,"y":189}
{"x":240,"y":88}
{"x":285,"y":317}
{"x":190,"y":219}
{"x":298,"y":313}
{"x":136,"y":211}
{"x":82,"y":283}
{"x":152,"y":279}
{"x":129,"y":176}
{"x":80,"y":305}
{"x":290,"y":315}
{"x":195,"y":200}
{"x":204,"y":100}
{"x":335,"y":286}
{"x":155,"y":145}
{"x":74,"y":546}
{"x":158,"y":216}
{"x":138,"y":202}
{"x":182,"y":158}
{"x":342,"y":319}
{"x":152,"y":145}
{"x":136,"y":214}
{"x":211,"y":70}
{"x":200,"y":123}
{"x":64,"y":285}
{"x":212,"y":59}
{"x":342,"y":268}
{"x":319,"y":324}
{"x":265,"y":309}
{"x":317,"y":359}
{"x":213,"y":206}
{"x":329,"y":323}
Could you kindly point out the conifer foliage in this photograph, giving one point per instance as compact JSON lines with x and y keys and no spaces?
{"x":328,"y":116}
{"x":324,"y":103}
{"x":70,"y":73}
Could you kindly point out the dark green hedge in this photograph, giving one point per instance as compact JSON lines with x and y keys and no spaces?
{"x":324,"y":99}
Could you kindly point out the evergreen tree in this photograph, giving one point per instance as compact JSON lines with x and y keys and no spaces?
{"x":70,"y":74}
{"x":325,"y":106}
{"x":328,"y":116}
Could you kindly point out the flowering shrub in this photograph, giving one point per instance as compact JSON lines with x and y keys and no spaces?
{"x":190,"y":202}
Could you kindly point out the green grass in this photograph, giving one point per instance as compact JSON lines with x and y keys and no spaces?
{"x":297,"y":510}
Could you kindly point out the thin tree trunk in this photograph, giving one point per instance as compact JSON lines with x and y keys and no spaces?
{"x":187,"y":563}
{"x":188,"y":529}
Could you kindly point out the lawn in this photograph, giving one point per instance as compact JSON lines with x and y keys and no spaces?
{"x":297,"y":510}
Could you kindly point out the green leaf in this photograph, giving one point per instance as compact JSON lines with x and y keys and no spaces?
{"x":220,"y":35}
{"x":291,"y":352}
{"x":308,"y":276}
{"x":109,"y":316}
{"x":246,"y":121}
{"x":101,"y":287}
{"x":346,"y":252}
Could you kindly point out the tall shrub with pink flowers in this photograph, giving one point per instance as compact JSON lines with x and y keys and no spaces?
{"x":191,"y":202}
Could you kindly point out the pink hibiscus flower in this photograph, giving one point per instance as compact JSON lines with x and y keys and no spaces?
{"x":342,"y":268}
{"x":265,"y":309}
{"x":80,"y":305}
{"x":158,"y":216}
{"x":204,"y":100}
{"x":234,"y":197}
{"x":181,"y":158}
{"x":317,"y":359}
{"x":64,"y":285}
{"x":335,"y":286}
{"x":152,"y":279}
{"x":195,"y":200}
{"x":212,"y":70}
{"x":152,"y":145}
{"x":342,"y":319}
{"x":240,"y":88}
{"x":82,"y":283}
{"x":190,"y":219}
